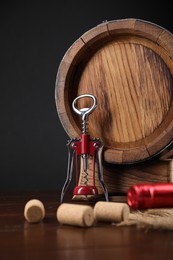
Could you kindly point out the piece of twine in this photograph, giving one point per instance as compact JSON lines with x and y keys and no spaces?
{"x":150,"y":219}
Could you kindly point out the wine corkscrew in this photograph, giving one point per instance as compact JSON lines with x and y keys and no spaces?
{"x":84,"y":148}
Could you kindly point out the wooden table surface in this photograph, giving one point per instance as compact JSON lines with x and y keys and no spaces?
{"x":49,"y":240}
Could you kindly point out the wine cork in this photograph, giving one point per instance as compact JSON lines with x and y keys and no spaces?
{"x":111,"y":211}
{"x":171,"y":171}
{"x":34,"y":211}
{"x":75,"y":214}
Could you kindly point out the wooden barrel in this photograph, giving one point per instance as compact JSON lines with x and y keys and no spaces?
{"x":128,"y":65}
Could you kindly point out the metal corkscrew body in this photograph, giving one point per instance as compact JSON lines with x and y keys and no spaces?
{"x":84,"y":148}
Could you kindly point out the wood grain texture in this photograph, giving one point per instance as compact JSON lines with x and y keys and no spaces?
{"x":128,"y":65}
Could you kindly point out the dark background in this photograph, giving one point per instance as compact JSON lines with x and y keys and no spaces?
{"x":34,"y":36}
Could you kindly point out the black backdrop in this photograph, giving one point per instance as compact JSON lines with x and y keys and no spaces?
{"x":34,"y":36}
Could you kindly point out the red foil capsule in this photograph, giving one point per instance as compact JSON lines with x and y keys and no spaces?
{"x":144,"y":196}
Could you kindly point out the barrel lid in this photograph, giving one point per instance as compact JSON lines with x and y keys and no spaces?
{"x":128,"y":65}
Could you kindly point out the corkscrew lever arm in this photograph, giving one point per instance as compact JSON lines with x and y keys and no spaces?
{"x":100,"y":172}
{"x":69,"y":170}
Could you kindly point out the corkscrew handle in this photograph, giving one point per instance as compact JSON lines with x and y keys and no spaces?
{"x":84,"y":112}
